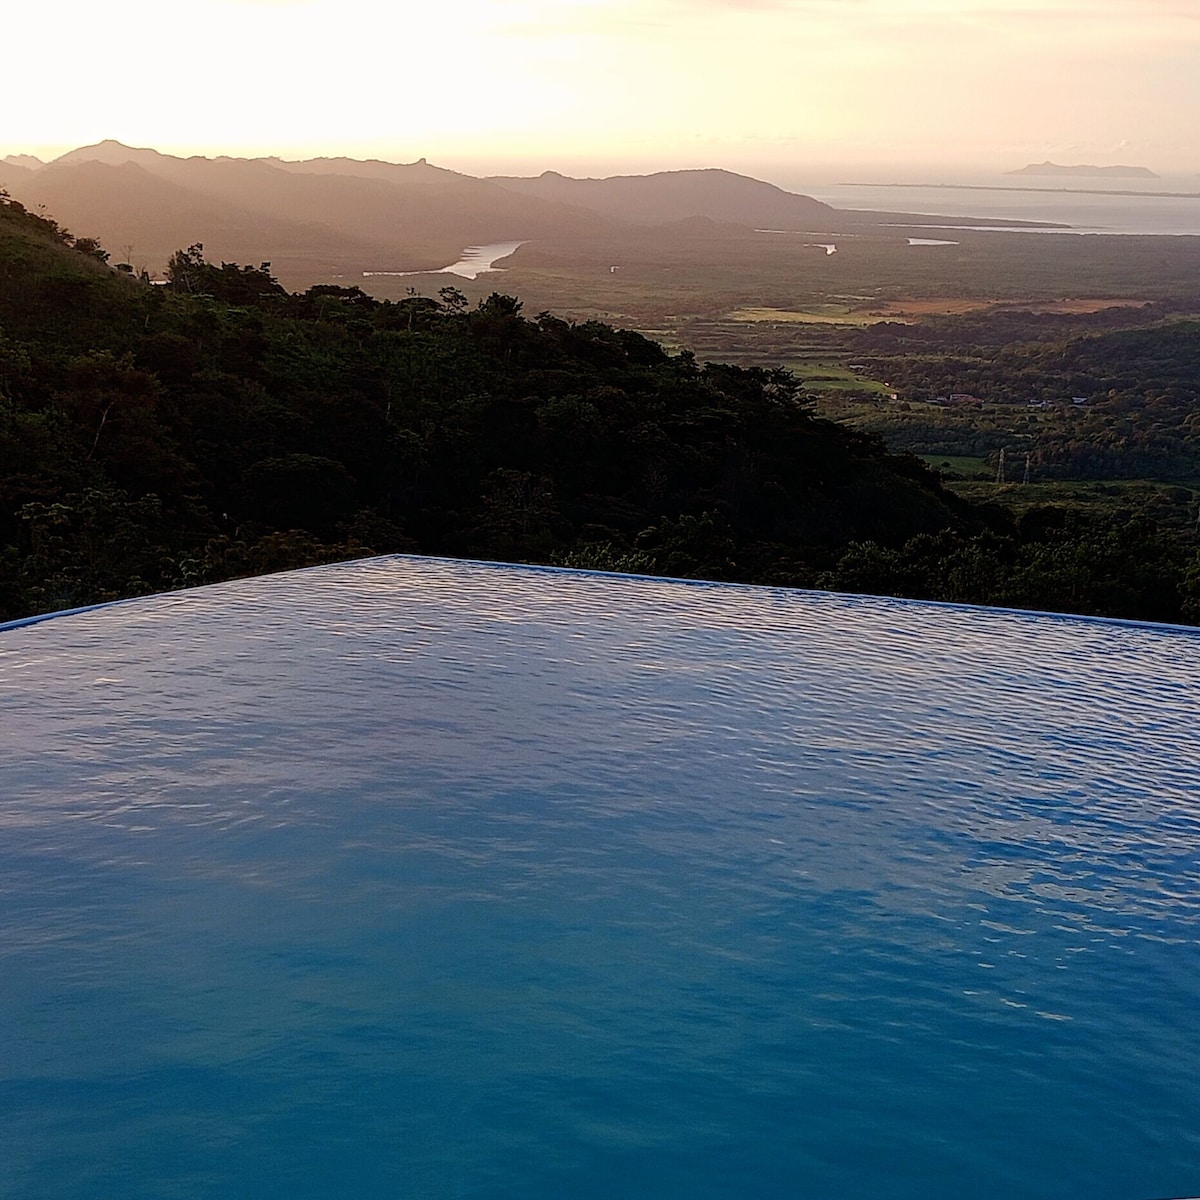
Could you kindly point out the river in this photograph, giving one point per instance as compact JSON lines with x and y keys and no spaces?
{"x":475,"y":261}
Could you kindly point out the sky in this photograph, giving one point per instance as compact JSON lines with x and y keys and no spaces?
{"x":786,"y":86}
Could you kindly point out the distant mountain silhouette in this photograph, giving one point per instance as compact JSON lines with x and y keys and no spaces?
{"x":330,"y":218}
{"x":326,"y":216}
{"x":114,"y":154}
{"x":342,"y":216}
{"x":675,"y":195}
{"x":14,"y":178}
{"x":146,"y":217}
{"x":362,"y":197}
{"x":22,"y":160}
{"x":1085,"y":171}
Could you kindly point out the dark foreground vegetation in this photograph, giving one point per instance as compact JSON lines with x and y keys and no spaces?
{"x":218,"y":426}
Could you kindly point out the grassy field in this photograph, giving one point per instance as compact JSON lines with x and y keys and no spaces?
{"x":815,"y":314}
{"x":857,"y":312}
{"x":834,"y":378}
{"x":1178,"y":502}
{"x":960,"y":466}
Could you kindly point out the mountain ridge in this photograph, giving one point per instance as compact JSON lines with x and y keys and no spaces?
{"x":24,"y":161}
{"x":356,"y":217}
{"x":333,"y":218}
{"x":661,"y":196}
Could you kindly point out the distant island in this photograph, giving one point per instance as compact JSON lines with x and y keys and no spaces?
{"x":1085,"y":171}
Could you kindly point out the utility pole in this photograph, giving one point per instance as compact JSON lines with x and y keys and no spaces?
{"x":1028,"y":459}
{"x":1000,"y":467}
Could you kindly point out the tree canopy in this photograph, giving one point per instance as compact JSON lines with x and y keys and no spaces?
{"x":158,"y":436}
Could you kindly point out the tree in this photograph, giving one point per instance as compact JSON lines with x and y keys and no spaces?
{"x":91,"y":248}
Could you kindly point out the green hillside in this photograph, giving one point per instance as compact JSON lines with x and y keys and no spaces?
{"x":153,"y":437}
{"x":156,"y":436}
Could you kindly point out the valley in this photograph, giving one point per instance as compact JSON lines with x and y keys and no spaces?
{"x":1036,"y":393}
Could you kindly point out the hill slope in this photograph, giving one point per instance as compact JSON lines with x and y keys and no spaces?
{"x":310,"y":220}
{"x":147,"y":216}
{"x":675,"y":195}
{"x":152,"y":437}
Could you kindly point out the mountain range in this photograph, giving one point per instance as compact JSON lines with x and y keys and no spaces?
{"x":311,"y":220}
{"x":329,"y":218}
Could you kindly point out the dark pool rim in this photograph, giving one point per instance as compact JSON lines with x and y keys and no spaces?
{"x":586,"y":572}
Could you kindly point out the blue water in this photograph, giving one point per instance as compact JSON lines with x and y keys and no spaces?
{"x":414,"y":878}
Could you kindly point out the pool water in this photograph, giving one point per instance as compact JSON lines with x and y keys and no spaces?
{"x":422,"y":878}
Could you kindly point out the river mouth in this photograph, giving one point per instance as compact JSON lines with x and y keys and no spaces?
{"x":475,"y":261}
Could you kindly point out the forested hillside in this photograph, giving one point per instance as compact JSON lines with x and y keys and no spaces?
{"x":158,"y":436}
{"x":1123,"y":403}
{"x":155,"y":437}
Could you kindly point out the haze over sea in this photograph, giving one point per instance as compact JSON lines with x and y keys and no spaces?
{"x":1088,"y":205}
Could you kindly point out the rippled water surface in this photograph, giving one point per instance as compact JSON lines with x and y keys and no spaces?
{"x":411,"y":878}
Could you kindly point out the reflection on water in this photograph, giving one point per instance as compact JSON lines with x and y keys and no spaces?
{"x":422,"y":878}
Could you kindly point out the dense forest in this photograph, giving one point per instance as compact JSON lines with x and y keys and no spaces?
{"x":1113,"y":395}
{"x":154,"y":437}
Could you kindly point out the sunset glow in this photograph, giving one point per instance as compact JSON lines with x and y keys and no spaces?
{"x":534,"y":83}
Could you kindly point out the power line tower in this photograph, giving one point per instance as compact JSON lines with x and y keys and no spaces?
{"x":1000,"y":467}
{"x":1028,"y":460}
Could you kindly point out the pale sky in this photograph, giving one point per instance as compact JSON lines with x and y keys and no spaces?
{"x":623,"y":84}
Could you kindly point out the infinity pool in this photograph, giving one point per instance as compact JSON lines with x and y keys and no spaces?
{"x":420,"y":878}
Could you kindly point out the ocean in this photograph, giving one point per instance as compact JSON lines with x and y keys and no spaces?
{"x":1086,"y":205}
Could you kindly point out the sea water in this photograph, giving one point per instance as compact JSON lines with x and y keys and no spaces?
{"x":1160,"y":207}
{"x":417,"y":878}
